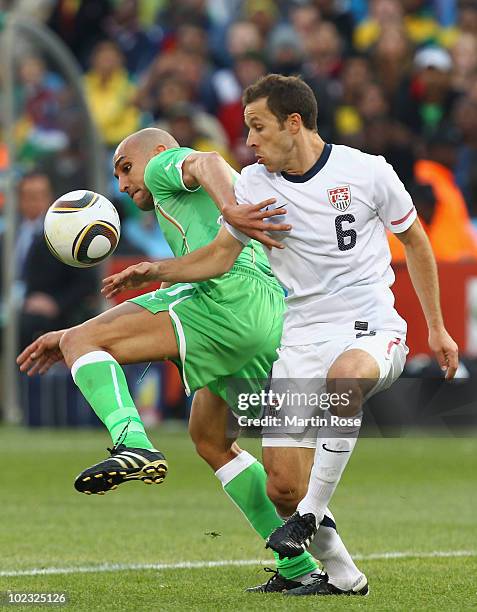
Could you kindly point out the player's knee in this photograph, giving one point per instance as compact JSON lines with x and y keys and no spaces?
{"x":284,"y":493}
{"x":78,"y":339}
{"x":205,"y":450}
{"x":69,"y":342}
{"x":347,"y":393}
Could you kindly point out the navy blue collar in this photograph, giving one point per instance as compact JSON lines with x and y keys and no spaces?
{"x":309,"y":174}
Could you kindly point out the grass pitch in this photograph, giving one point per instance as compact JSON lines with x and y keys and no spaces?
{"x":416,"y":496}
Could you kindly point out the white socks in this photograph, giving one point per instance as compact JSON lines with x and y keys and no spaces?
{"x":328,"y":548}
{"x":333,"y":450}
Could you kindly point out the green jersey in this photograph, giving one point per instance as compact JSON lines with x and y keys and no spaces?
{"x":227,"y":329}
{"x":189,"y":218}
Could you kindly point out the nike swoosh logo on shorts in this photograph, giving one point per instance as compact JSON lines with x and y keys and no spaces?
{"x":330,"y":450}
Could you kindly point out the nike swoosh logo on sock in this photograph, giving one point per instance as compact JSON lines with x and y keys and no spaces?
{"x":330,"y":450}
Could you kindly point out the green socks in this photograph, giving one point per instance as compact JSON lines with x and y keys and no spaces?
{"x":101,"y":380}
{"x":244,"y":480}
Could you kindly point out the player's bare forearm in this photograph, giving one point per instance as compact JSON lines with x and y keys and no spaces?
{"x":208,"y":262}
{"x":422,"y":268}
{"x":213,"y":173}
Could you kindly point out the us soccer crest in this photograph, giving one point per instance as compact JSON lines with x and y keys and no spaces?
{"x":340,"y":197}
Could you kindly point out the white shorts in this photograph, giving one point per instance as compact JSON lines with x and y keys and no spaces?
{"x":304,"y":369}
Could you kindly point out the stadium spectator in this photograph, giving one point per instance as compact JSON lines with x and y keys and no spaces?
{"x":427,"y":99}
{"x":467,"y":16}
{"x":466,"y":23}
{"x":418,"y":22}
{"x":192,"y":38}
{"x":39,"y":101}
{"x":80,"y":24}
{"x":304,"y":19}
{"x":382,"y":13}
{"x":263,"y":13}
{"x":324,"y":51}
{"x":176,"y":13}
{"x":284,"y":51}
{"x":384,"y":136}
{"x":243,"y":36}
{"x":356,"y":77}
{"x":242,"y":39}
{"x":184,"y":123}
{"x":392,"y":59}
{"x":372,"y":103}
{"x":195,"y":71}
{"x":338,"y":14}
{"x":161,"y":89}
{"x":110,"y":94}
{"x":441,"y":206}
{"x":466,"y":164}
{"x":55,"y":295}
{"x":464,"y":57}
{"x":138,"y":44}
{"x":223,"y":12}
{"x":237,"y":38}
{"x":421,"y":24}
{"x":174,"y":76}
{"x":369,"y":126}
{"x":228,"y":86}
{"x":208,"y":125}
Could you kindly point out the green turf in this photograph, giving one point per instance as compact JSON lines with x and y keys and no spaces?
{"x":411,"y":495}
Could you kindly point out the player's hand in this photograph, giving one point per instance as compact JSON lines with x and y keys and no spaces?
{"x":250,"y":219}
{"x":445,"y":350}
{"x":40,"y":355}
{"x":138,"y":276}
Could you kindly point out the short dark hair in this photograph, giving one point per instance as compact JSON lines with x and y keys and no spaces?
{"x":285,"y":95}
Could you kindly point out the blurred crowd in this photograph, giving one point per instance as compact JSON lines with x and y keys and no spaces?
{"x":392,"y":77}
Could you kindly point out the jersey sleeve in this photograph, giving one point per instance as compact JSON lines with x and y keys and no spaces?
{"x":163,"y":173}
{"x":242,"y":198}
{"x":394,"y":204}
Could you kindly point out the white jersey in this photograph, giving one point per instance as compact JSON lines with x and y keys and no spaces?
{"x":336,"y":263}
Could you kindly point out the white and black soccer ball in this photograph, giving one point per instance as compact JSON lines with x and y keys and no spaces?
{"x":82,"y":228}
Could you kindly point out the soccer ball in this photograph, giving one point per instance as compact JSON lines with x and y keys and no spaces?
{"x":82,"y":228}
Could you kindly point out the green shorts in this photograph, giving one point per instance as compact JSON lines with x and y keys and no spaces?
{"x":228,"y":331}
